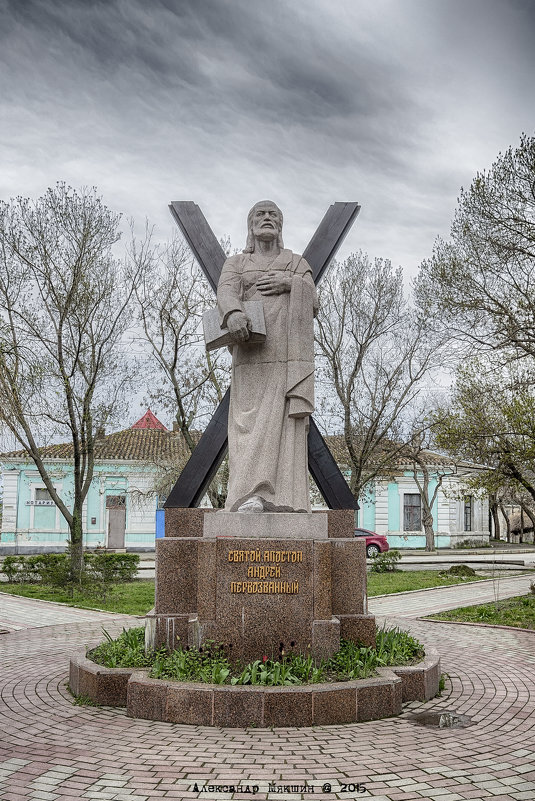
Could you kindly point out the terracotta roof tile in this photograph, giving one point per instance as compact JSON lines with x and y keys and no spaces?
{"x":132,"y":444}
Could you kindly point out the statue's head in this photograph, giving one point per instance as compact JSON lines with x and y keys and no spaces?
{"x":264,"y":221}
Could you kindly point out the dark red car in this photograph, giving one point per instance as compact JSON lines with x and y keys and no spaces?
{"x":375,"y":543}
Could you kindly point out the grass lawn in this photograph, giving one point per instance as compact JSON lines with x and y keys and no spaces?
{"x":137,"y":597}
{"x":132,"y":598}
{"x":402,"y":581}
{"x":519,"y":611}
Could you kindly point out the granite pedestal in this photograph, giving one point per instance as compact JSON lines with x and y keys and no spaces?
{"x":260,"y":584}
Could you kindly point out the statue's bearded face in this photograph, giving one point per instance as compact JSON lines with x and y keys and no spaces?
{"x":266,"y":221}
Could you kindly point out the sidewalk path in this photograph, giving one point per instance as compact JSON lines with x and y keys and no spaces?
{"x":17,"y":613}
{"x":51,"y":750}
{"x":428,"y":602}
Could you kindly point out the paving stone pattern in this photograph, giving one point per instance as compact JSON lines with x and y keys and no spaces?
{"x":438,"y":599}
{"x":51,"y":750}
{"x":18,"y":613}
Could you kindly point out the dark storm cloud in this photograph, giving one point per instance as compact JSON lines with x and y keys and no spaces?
{"x":395,"y":104}
{"x":263,"y":61}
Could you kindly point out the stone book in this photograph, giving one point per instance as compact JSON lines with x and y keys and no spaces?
{"x":217,"y":337}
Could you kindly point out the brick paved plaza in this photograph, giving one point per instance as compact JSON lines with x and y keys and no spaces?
{"x":51,"y":749}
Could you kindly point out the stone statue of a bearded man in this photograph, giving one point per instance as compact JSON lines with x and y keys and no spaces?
{"x":272,"y":387}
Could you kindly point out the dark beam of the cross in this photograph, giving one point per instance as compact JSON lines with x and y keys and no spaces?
{"x":211,"y":448}
{"x":329,"y":235}
{"x":200,"y":238}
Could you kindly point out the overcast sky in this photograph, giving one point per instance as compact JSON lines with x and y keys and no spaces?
{"x":393,"y":103}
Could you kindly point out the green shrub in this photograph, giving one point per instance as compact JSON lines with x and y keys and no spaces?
{"x":472,"y":544}
{"x":386,"y":562}
{"x":111,"y":567}
{"x":15,"y":569}
{"x":48,"y":568}
{"x":461,"y":570}
{"x":54,"y":569}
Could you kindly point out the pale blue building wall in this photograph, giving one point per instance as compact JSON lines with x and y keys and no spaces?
{"x":382,"y":511}
{"x":367,"y":510}
{"x":43,"y":527}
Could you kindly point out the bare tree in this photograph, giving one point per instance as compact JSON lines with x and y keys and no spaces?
{"x":426,"y":471}
{"x":63,"y":311}
{"x":186,"y":380}
{"x":376,"y":352}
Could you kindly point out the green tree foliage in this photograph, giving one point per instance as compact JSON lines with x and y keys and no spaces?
{"x":491,"y":421}
{"x":482,"y":283}
{"x":482,"y":279}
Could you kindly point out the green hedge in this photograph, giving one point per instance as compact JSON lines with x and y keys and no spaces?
{"x":54,"y":568}
{"x":112,"y":567}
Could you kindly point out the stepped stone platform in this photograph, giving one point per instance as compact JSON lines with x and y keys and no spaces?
{"x":198,"y":704}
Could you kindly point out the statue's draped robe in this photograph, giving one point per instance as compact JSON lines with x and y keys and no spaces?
{"x":272,"y":386}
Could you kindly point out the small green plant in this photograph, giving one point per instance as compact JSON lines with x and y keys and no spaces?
{"x":83,"y":700}
{"x":127,"y":650}
{"x":441,"y":684}
{"x":397,"y":647}
{"x":293,"y":669}
{"x":80,"y":700}
{"x":210,"y":664}
{"x":352,"y":661}
{"x":386,"y":562}
{"x":532,"y":587}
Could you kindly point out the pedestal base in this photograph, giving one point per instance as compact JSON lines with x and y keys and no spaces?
{"x":261,"y":585}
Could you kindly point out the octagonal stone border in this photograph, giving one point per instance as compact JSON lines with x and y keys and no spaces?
{"x":224,"y":706}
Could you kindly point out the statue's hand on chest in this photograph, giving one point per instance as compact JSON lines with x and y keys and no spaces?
{"x":274,"y":283}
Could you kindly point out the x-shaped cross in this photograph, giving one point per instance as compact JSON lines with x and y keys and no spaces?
{"x":212,"y":446}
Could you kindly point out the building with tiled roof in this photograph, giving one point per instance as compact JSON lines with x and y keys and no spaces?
{"x":392,"y":503}
{"x":120,"y":510}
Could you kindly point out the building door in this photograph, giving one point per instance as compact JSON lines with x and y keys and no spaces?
{"x":116,"y":506}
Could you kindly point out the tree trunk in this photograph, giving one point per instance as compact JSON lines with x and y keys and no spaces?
{"x":507,"y":522}
{"x":531,"y":516}
{"x":495,"y":517}
{"x":76,"y":545}
{"x":429,"y":531}
{"x":426,"y":501}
